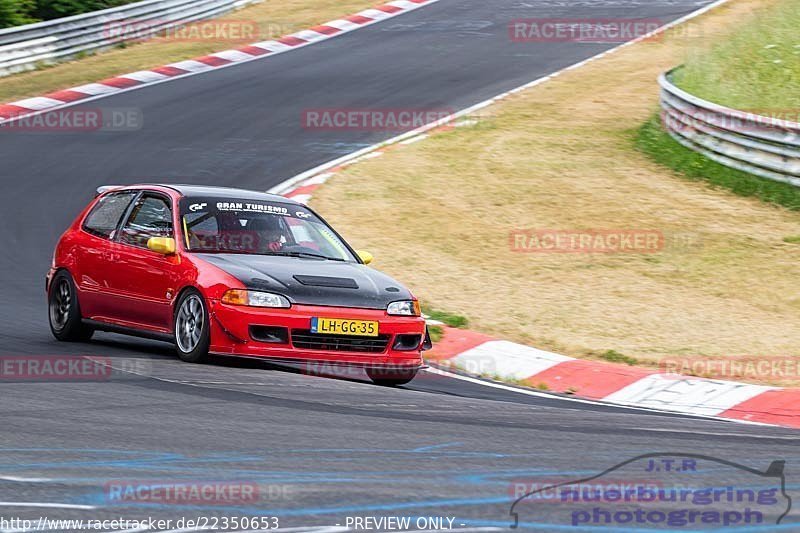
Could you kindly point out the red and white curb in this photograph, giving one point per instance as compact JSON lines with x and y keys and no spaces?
{"x":198,"y":65}
{"x":480,"y":355}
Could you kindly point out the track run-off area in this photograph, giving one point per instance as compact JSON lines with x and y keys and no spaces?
{"x":319,"y":450}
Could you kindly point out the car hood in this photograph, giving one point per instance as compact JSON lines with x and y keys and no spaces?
{"x":312,"y":281}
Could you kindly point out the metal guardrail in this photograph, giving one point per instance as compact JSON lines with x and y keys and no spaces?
{"x":768,"y":147}
{"x":26,"y":47}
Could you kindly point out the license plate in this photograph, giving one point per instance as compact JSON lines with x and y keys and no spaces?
{"x":338,"y":326}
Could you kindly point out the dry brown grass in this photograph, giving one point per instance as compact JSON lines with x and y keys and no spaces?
{"x":272,"y":18}
{"x":437,"y":214}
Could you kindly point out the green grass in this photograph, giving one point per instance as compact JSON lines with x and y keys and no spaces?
{"x":653,"y":140}
{"x":613,"y":356}
{"x":758,"y":68}
{"x":792,"y":239}
{"x":451,"y":319}
{"x":437,"y":332}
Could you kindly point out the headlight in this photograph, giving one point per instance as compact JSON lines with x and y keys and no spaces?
{"x":255,"y":299}
{"x":404,"y":308}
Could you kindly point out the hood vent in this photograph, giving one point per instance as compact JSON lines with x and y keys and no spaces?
{"x":323,"y":281}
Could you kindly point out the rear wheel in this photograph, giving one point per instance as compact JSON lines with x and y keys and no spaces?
{"x":391,"y":377}
{"x":192,"y":329}
{"x":64,"y":310}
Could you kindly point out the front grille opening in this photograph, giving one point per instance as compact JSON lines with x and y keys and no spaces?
{"x":303,"y":338}
{"x":407,"y":343}
{"x":270,"y":334}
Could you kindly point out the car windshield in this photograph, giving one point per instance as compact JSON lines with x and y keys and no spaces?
{"x":258,"y":227}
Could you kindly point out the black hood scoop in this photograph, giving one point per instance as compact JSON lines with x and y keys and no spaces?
{"x":310,"y":281}
{"x":325,"y":281}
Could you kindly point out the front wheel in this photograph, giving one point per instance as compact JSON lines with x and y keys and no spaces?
{"x":64,"y":310}
{"x":192,"y":329}
{"x":391,"y":377}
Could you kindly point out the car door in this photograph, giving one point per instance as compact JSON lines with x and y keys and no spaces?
{"x":145,"y":281}
{"x":95,"y":256}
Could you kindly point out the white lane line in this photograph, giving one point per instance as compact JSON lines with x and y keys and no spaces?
{"x":38,"y":103}
{"x":416,"y":139}
{"x":507,"y":360}
{"x":318,"y":180}
{"x":232,"y":55}
{"x":94,"y":89}
{"x":272,"y":46}
{"x":26,"y":479}
{"x":190,"y":65}
{"x":310,"y":35}
{"x":342,"y":24}
{"x":402,"y":4}
{"x":539,"y":394}
{"x":301,"y":198}
{"x":48,"y":505}
{"x":145,"y":76}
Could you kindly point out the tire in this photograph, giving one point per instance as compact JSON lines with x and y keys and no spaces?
{"x":192,"y":329}
{"x":64,"y":310}
{"x":392,"y":377}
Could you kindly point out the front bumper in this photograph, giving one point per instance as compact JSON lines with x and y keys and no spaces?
{"x":231,"y":335}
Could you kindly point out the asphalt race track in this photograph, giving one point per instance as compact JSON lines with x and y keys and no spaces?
{"x":326,"y":449}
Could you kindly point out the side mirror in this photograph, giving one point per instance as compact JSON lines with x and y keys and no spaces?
{"x":366,"y":257}
{"x":162,"y":245}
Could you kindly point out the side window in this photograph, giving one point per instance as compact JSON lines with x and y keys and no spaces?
{"x":151,"y":217}
{"x":105,"y":216}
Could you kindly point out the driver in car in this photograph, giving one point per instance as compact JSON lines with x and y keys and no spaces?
{"x":271,"y":237}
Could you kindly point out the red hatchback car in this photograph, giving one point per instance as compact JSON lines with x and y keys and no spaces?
{"x":231,"y":272}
